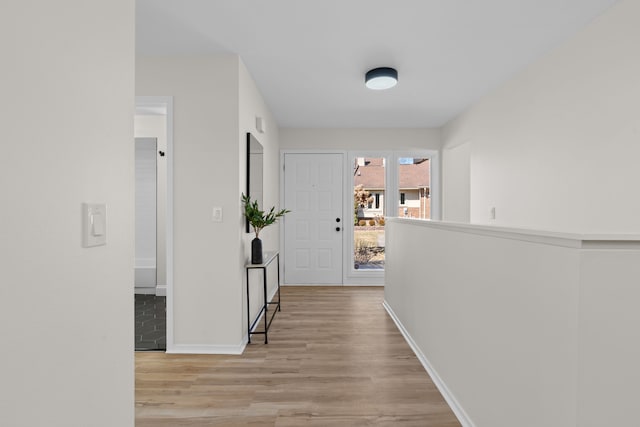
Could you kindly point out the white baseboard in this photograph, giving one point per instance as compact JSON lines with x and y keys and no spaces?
{"x":355,"y":285}
{"x":160,"y":291}
{"x":272,"y":294}
{"x":442,"y":387}
{"x":324,"y":285}
{"x":364,"y":283}
{"x":205,"y":349}
{"x":311,"y":284}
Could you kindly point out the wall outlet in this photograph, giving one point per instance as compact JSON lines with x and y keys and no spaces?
{"x":492,"y":213}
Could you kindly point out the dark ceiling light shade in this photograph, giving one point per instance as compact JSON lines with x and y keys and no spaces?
{"x":381,"y":78}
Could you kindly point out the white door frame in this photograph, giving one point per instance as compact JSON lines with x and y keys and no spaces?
{"x":345,"y":171}
{"x":349,"y":275}
{"x":164,"y":105}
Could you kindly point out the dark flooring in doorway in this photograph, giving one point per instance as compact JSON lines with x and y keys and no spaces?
{"x":151,"y":323}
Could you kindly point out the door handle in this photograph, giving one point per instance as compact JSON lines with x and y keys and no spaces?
{"x":337,"y":228}
{"x":337,"y":219}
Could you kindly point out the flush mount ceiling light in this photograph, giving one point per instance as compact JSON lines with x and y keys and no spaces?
{"x":381,"y":78}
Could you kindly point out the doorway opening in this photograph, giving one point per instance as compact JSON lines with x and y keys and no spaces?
{"x":374,"y":185}
{"x":153,"y":283}
{"x":146,"y":242}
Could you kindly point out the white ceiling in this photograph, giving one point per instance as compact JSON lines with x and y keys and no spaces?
{"x":309,"y":57}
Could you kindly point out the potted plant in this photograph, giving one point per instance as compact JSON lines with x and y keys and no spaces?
{"x":259,"y":219}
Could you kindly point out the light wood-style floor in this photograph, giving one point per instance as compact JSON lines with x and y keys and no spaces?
{"x":334,"y":358}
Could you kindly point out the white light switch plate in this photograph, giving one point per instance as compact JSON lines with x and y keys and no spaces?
{"x":94,"y":224}
{"x":216,"y":214}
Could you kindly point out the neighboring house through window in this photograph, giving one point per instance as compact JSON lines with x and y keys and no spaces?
{"x":410,"y":198}
{"x":414,"y":176}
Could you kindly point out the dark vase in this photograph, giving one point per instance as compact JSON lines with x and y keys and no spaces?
{"x":256,"y":251}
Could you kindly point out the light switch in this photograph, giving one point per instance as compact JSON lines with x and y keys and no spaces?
{"x":97,"y":224}
{"x":94,"y":224}
{"x":216,"y":215}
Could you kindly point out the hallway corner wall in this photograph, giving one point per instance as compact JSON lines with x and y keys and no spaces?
{"x":66,"y":310}
{"x":252,"y":107}
{"x":207,"y":274}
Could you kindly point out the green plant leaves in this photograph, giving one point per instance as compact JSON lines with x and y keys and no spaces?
{"x":257,"y":217}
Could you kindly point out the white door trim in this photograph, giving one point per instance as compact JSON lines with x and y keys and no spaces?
{"x":298,"y":151}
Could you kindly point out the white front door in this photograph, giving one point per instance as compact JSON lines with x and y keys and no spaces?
{"x":313,"y":186}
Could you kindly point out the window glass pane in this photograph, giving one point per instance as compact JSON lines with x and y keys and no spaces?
{"x":414,"y":186}
{"x":368,"y":213}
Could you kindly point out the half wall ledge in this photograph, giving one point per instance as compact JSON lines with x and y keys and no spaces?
{"x":543,"y":325}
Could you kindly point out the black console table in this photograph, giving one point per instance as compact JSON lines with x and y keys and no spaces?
{"x":268,"y":258}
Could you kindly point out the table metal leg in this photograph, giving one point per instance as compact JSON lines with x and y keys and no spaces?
{"x":248,"y":311}
{"x":279,"y":300}
{"x":266,"y":306}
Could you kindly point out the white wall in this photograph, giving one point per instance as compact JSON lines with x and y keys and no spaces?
{"x":360,"y":139}
{"x":556,"y":147}
{"x":535,"y":330}
{"x":456,"y":183}
{"x":608,"y":369}
{"x":216,"y":103}
{"x":207,"y":272}
{"x":252,"y":105}
{"x":155,"y":126}
{"x":67,"y":128}
{"x":495,"y":318}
